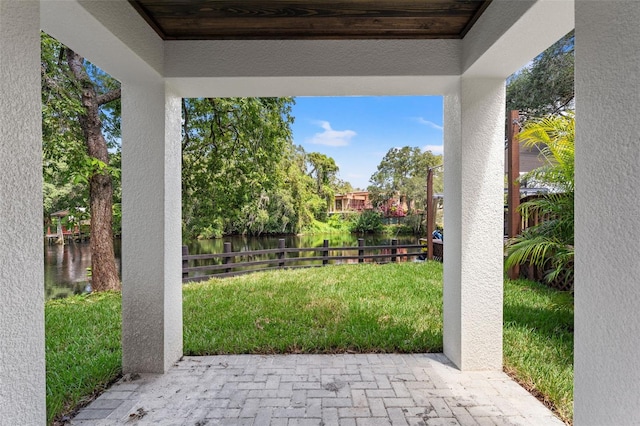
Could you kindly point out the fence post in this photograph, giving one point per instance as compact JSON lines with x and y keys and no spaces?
{"x":281,"y":254}
{"x":360,"y":250}
{"x":394,"y":250}
{"x":430,"y":216}
{"x":185,"y":262}
{"x":325,"y":252}
{"x":227,"y":259}
{"x":513,"y":172}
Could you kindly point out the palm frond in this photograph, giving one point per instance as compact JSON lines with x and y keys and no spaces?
{"x":549,"y":244}
{"x":554,"y":137}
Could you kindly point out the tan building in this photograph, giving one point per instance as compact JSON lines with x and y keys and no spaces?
{"x":352,"y":201}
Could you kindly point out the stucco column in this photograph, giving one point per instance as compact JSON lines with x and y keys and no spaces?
{"x":22,"y":362}
{"x":607,"y":206}
{"x":151,"y":230}
{"x":473,"y":217}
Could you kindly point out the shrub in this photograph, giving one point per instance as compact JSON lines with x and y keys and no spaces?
{"x":367,"y":222}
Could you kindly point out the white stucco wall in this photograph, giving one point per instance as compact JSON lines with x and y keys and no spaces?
{"x":511,"y":33}
{"x":111,"y":34}
{"x":22,"y":363}
{"x":312,"y":68}
{"x":317,"y":58}
{"x":473,"y":209}
{"x":151,"y":227}
{"x":313,"y":86}
{"x":607,"y":206}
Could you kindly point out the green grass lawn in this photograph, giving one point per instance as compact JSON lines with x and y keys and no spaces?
{"x":83,"y":350}
{"x":538,"y":342}
{"x":360,"y":308}
{"x":357,"y":308}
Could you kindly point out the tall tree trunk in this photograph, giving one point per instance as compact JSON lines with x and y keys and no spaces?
{"x":103,"y":265}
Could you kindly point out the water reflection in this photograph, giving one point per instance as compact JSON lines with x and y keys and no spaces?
{"x":65,"y":267}
{"x":248,"y":243}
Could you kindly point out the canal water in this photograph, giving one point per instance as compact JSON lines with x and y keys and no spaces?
{"x":65,"y":267}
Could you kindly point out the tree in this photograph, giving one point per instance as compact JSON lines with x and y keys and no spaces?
{"x":295,"y":204}
{"x":549,"y":245}
{"x":343,"y":187}
{"x":78,"y":99}
{"x":324,"y":171}
{"x":232,"y":155}
{"x":402,"y":174}
{"x":546,"y":87}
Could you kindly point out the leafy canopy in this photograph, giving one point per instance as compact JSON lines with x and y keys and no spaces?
{"x":242,"y":174}
{"x":402,"y":174}
{"x":546,"y":87}
{"x":66,"y":164}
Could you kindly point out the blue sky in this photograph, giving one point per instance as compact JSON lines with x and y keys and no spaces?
{"x":358,"y":131}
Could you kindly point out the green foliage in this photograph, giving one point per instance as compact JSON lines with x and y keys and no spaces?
{"x":546,"y":87}
{"x":343,"y":187}
{"x":416,"y":224}
{"x":242,"y":174}
{"x":67,"y":167}
{"x":341,"y":222}
{"x":62,"y":140}
{"x":368,"y":221}
{"x":323,"y":170}
{"x":115,"y":166}
{"x":335,"y":223}
{"x":549,"y":245}
{"x":555,"y":136}
{"x":90,"y":166}
{"x":232,"y":151}
{"x":402,"y":174}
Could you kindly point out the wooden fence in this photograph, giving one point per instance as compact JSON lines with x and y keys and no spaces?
{"x":201,"y":267}
{"x":534,"y":217}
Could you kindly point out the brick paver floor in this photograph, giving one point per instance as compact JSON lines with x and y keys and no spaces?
{"x":342,"y":390}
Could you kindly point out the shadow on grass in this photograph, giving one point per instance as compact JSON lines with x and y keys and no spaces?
{"x":535,"y":306}
{"x":317,"y":331}
{"x":309,"y":326}
{"x":353,"y":310}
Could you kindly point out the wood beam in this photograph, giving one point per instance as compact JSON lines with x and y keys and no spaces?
{"x":513,"y":186}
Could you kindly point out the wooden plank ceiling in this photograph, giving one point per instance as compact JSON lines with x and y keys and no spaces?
{"x":310,"y":19}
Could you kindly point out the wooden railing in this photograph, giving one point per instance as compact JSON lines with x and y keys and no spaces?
{"x":534,"y":217}
{"x":200,"y":267}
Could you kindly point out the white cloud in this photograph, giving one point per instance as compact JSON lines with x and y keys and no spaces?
{"x":429,"y":123}
{"x":331,"y":137}
{"x":436,"y":149}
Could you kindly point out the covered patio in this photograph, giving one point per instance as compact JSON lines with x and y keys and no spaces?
{"x":469,"y":72}
{"x":341,"y":389}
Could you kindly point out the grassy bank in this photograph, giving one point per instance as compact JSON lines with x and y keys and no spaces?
{"x":360,"y":308}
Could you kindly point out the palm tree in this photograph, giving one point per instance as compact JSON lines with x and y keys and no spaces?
{"x":549,"y":245}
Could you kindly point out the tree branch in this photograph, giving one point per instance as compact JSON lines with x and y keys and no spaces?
{"x":562,"y":107}
{"x":109,"y":96}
